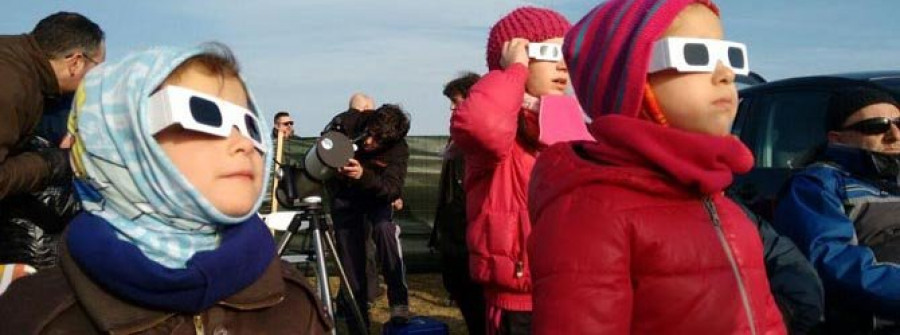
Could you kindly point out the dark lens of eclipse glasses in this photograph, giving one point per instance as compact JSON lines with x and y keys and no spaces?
{"x":205,"y":112}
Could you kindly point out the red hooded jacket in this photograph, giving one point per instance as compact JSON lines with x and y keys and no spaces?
{"x":633,"y":235}
{"x":498,"y":169}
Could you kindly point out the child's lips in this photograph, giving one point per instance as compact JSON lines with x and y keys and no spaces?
{"x":247,"y":174}
{"x":724,"y":102}
{"x":561,"y":83}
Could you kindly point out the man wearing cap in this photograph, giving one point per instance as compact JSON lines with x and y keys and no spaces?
{"x":843,"y":212}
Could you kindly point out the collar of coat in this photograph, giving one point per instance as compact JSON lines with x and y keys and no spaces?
{"x":42,"y":67}
{"x":113,"y":315}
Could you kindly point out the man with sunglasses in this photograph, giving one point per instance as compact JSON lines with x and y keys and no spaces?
{"x":291,"y":150}
{"x":284,"y":124}
{"x":843,"y":212}
{"x":35,"y":69}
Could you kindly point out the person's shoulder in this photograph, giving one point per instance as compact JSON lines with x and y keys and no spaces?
{"x":42,"y":301}
{"x":298,"y":291}
{"x":394,"y":150}
{"x":823,"y":173}
{"x":401,"y":145}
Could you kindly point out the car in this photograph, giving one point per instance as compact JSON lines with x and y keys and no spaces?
{"x":783,"y":122}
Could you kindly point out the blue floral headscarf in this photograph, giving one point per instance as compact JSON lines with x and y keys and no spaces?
{"x":122,"y":174}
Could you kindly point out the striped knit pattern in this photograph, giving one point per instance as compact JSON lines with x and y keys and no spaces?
{"x":608,"y":52}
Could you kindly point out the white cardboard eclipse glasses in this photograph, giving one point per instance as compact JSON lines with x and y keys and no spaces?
{"x":698,"y":55}
{"x":545,"y":51}
{"x":203,"y":113}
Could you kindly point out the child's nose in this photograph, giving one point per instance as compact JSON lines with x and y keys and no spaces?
{"x":561,"y":65}
{"x":238,"y":142}
{"x":723,"y":74}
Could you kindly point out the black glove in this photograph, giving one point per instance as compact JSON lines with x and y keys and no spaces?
{"x":58,"y":160}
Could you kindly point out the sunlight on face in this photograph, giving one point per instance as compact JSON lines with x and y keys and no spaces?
{"x":697,"y":102}
{"x":545,"y":77}
{"x":888,"y":142}
{"x":227,"y":171}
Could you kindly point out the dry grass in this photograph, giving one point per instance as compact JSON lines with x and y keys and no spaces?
{"x":426,"y":297}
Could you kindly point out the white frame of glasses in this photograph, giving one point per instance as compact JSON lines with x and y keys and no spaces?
{"x":668,"y":53}
{"x":534,"y":51}
{"x":171,"y":105}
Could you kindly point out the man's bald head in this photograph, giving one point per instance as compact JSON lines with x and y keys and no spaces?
{"x":361,"y":102}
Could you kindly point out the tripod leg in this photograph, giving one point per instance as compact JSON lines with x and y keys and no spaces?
{"x":285,"y":239}
{"x":321,"y":271}
{"x":346,"y":283}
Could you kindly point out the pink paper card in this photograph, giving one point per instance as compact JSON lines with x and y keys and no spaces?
{"x":561,"y":119}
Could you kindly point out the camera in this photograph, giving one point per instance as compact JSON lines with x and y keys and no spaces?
{"x":304,"y":180}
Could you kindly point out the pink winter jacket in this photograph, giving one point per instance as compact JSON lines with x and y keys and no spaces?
{"x":498,"y":169}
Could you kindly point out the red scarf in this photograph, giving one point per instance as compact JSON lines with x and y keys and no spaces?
{"x":700,"y":162}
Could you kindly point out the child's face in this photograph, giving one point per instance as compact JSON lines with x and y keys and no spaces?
{"x":545,"y":78}
{"x":697,"y":102}
{"x":227,"y":171}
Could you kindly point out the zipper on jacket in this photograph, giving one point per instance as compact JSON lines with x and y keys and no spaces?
{"x":198,"y":324}
{"x":717,"y":224}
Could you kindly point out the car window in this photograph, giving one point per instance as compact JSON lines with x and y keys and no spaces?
{"x":788,"y":126}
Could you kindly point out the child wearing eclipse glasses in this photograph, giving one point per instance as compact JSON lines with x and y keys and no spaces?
{"x":169,"y":165}
{"x":632,"y":233}
{"x":496,"y":129}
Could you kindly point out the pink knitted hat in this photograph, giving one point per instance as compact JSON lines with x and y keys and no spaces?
{"x":531,"y":23}
{"x":608,"y":52}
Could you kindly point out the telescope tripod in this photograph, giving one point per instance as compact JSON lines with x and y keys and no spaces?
{"x":319,"y":226}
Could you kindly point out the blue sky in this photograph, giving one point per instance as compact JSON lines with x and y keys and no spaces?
{"x":308,"y":56}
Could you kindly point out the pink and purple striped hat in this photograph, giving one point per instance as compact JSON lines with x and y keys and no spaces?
{"x":608,"y":52}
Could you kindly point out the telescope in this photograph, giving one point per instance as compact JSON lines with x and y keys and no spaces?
{"x":320,"y":163}
{"x":301,"y":188}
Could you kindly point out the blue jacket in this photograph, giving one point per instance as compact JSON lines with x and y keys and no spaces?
{"x":843,"y":217}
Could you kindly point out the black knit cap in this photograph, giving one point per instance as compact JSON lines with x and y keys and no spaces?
{"x":847,"y":101}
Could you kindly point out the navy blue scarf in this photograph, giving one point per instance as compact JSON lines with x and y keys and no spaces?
{"x":246,"y":250}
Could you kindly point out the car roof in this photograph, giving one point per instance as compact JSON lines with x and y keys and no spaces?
{"x":830,"y":80}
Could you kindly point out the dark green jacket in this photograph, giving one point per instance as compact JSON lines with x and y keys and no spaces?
{"x":293,"y":150}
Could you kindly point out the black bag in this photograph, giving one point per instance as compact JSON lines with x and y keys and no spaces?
{"x":31,"y":223}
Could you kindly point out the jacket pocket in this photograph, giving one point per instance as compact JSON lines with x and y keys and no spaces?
{"x":508,"y":262}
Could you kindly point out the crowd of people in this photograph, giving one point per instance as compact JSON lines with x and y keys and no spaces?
{"x":119,"y":224}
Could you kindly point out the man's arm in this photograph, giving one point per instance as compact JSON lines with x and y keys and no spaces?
{"x":19,"y":172}
{"x":811,"y":213}
{"x":388,"y":185}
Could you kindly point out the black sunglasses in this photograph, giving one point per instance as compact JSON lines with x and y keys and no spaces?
{"x":288,"y":123}
{"x":874,"y":126}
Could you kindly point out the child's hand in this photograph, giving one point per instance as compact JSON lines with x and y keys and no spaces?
{"x":514,"y":51}
{"x":352,"y":170}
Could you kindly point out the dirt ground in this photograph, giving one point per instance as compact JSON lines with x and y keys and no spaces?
{"x":426,"y":297}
